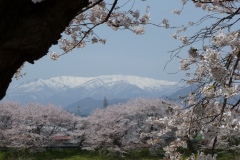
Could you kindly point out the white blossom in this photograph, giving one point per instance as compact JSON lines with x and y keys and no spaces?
{"x":185,"y":64}
{"x":54,"y":56}
{"x":176,"y":11}
{"x":165,"y":23}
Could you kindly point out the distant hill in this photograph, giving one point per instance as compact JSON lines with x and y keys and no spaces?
{"x":85,"y":106}
{"x":184,"y":91}
{"x":67,"y":90}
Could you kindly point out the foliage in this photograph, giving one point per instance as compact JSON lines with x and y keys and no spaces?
{"x":81,"y":30}
{"x":115,"y":128}
{"x":137,"y":128}
{"x":211,"y":118}
{"x":32,"y":125}
{"x":118,"y":128}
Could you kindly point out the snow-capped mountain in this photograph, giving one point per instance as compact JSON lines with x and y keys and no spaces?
{"x":65,"y":89}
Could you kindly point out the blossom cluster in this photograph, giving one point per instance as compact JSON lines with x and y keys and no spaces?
{"x":81,"y":29}
{"x":123,"y":127}
{"x":32,"y":125}
{"x":218,"y":69}
{"x":220,"y":6}
{"x":200,"y":124}
{"x":212,"y":118}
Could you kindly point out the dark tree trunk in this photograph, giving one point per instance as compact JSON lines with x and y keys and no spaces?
{"x":28,"y":30}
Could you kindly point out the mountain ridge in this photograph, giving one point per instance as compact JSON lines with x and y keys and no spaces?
{"x":86,"y":106}
{"x":65,"y":90}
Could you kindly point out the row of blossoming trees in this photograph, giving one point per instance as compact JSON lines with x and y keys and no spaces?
{"x":140,"y":123}
{"x":115,"y":128}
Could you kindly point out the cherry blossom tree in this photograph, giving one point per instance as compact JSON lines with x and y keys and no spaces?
{"x":212,"y":110}
{"x":81,"y":29}
{"x":32,"y":125}
{"x":119,"y":128}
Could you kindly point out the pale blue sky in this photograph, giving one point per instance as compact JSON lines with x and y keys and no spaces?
{"x":124,"y":53}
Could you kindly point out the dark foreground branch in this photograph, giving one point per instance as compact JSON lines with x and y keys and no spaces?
{"x":28,"y":30}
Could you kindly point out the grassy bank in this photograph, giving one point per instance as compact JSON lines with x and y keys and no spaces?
{"x":76,"y":154}
{"x":73,"y":154}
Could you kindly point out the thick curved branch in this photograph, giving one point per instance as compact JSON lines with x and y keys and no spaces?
{"x":28,"y":30}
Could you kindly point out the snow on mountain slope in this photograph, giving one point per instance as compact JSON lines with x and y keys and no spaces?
{"x":140,"y":82}
{"x":67,"y":82}
{"x":57,"y":83}
{"x":71,"y":87}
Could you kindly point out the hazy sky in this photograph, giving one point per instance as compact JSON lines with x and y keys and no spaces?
{"x":124,"y":53}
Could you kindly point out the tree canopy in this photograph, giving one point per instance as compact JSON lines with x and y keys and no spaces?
{"x":28,"y":29}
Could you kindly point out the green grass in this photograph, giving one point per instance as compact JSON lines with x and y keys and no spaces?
{"x":2,"y":155}
{"x":73,"y":154}
{"x":76,"y":154}
{"x":228,"y":155}
{"x":221,"y":154}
